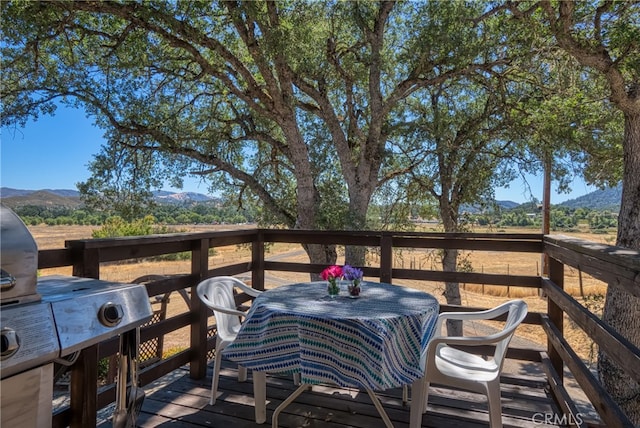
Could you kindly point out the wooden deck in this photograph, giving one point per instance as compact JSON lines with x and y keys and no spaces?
{"x":179,"y":401}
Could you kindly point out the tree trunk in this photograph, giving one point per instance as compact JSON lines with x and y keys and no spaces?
{"x":358,"y":206}
{"x":622,"y":310}
{"x":452,"y":290}
{"x":449,"y":215}
{"x":546,"y":208}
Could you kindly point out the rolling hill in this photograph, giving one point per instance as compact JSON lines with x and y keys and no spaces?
{"x":607,"y":199}
{"x":66,"y":198}
{"x":599,"y":200}
{"x":39,"y":198}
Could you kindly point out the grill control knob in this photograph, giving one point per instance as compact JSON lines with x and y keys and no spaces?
{"x":110,"y":314}
{"x":9,"y":343}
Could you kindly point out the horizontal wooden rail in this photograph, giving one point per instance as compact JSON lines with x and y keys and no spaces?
{"x":563,"y":398}
{"x":468,"y":277}
{"x":416,"y":274}
{"x":218,"y":238}
{"x":469,"y":243}
{"x":169,"y":284}
{"x":619,"y":349}
{"x":230,"y":270}
{"x":54,"y":258}
{"x":606,"y":407}
{"x":613,"y":265}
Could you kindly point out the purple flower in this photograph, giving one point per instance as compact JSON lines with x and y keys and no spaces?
{"x":351,"y":274}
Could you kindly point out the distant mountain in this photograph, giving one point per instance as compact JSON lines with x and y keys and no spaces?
{"x":71,"y":198}
{"x":181,"y":198}
{"x":607,"y":199}
{"x":7,"y":192}
{"x":478,"y":208}
{"x":161,"y":193}
{"x":599,"y":200}
{"x":40,"y":198}
{"x":507,"y":204}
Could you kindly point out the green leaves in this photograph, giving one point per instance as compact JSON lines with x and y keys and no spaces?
{"x":290,"y":104}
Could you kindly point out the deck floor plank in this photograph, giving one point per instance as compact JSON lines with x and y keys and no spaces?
{"x":183,"y":402}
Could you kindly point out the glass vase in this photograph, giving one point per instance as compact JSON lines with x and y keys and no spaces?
{"x":333,"y":289}
{"x":354,"y":288}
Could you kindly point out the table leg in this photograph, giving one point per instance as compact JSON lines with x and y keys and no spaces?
{"x":417,"y":404}
{"x":302,"y":388}
{"x":378,"y":404}
{"x":260,"y":396}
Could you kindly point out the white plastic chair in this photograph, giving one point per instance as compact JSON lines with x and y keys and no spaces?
{"x":217,"y":294}
{"x":444,"y":364}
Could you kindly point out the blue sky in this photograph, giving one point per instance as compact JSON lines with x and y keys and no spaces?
{"x":53,"y":153}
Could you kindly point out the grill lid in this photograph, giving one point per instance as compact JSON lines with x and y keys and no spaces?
{"x":18,"y":260}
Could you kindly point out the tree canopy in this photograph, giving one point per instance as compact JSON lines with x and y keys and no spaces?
{"x":293,"y":103}
{"x":300,"y":105}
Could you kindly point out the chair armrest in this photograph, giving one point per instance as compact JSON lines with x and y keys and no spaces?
{"x":471,"y":340}
{"x":478,"y":315}
{"x":430,"y":351}
{"x":226,"y":310}
{"x":251,"y":291}
{"x":246,"y":289}
{"x":488,"y":314}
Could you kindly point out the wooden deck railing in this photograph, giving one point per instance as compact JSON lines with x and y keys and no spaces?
{"x":610,"y":264}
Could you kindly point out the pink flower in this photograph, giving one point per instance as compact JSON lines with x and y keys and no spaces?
{"x":332,"y":272}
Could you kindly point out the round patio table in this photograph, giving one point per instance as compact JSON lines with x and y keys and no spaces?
{"x":374,"y":341}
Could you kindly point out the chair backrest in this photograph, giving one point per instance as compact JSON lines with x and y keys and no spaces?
{"x":217,"y":294}
{"x":517,"y":311}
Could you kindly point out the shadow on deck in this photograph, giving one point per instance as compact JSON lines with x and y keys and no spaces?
{"x":179,"y":401}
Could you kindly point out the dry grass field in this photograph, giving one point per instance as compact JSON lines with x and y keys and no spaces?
{"x":584,"y":288}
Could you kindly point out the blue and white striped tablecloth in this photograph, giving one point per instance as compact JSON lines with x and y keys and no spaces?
{"x":373,"y":341}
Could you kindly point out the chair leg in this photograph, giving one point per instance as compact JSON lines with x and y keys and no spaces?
{"x":425,"y":402}
{"x":495,"y":405}
{"x":260,"y":396}
{"x":242,"y":373}
{"x":217,"y":362}
{"x":417,"y":403}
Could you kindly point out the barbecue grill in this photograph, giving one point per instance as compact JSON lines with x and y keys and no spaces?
{"x":51,"y":319}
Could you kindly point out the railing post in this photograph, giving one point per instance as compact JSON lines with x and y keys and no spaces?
{"x":84,"y":373}
{"x":257,"y":261}
{"x":86,"y":262}
{"x":84,"y":389}
{"x":556,"y":315}
{"x":199,"y":326}
{"x":386,"y":258}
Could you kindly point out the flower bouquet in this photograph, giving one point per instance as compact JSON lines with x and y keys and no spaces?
{"x":354,"y":276}
{"x":332,"y":274}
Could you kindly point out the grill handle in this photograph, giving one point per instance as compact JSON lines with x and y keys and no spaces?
{"x":129,"y":396}
{"x":7,"y":281}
